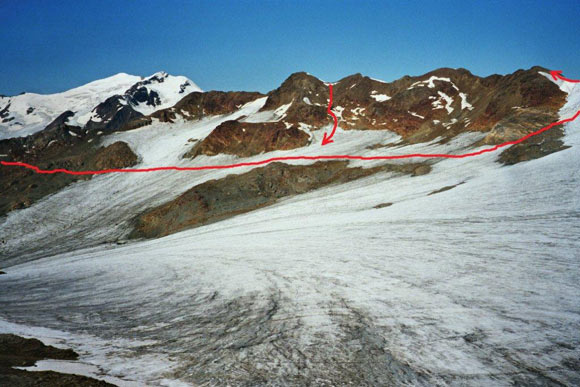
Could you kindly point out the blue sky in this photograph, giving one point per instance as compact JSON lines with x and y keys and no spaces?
{"x":50,"y":46}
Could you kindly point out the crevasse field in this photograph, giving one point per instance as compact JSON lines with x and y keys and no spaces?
{"x":476,"y":285}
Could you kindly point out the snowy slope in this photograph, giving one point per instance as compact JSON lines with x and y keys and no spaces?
{"x":476,"y":285}
{"x":28,"y":113}
{"x":46,"y":107}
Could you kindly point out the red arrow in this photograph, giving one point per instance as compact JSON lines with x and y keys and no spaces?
{"x":328,"y":139}
{"x":292,"y":158}
{"x":558,"y":74}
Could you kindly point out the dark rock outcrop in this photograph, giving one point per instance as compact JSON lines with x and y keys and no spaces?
{"x":5,"y":111}
{"x":516,"y":125}
{"x":236,"y":194}
{"x":443,"y":189}
{"x":297,"y":87}
{"x":117,"y":155}
{"x":23,"y":187}
{"x":247,"y":139}
{"x":197,"y":105}
{"x":21,"y":352}
{"x":140,"y":94}
{"x":111,"y":115}
{"x":58,"y":135}
{"x":465,"y":103}
{"x":16,"y":351}
{"x":536,"y":147}
{"x":308,"y":99}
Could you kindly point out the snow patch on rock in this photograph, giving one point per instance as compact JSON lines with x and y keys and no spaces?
{"x":380,"y":97}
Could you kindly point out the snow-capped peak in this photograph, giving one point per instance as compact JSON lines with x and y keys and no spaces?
{"x":28,"y":113}
{"x":159,"y":91}
{"x":160,"y":74}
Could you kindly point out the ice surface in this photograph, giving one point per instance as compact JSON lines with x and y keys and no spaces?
{"x":77,"y":368}
{"x":268,"y":115}
{"x":474,"y":285}
{"x":92,"y":350}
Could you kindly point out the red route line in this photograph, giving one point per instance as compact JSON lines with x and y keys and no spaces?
{"x":328,"y":139}
{"x":558,"y":74}
{"x":292,"y":158}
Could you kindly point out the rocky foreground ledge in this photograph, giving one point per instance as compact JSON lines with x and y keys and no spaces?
{"x":16,"y":351}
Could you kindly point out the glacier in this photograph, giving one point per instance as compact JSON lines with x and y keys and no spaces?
{"x":475,"y":285}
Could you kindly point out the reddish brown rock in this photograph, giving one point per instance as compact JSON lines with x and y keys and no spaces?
{"x":197,"y":105}
{"x":296,"y":88}
{"x":117,"y":155}
{"x":247,"y":139}
{"x":416,"y":108}
{"x":308,"y":99}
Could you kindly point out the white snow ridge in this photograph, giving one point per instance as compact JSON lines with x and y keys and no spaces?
{"x":29,"y":112}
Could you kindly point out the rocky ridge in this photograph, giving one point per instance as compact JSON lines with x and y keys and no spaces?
{"x":438,"y":105}
{"x":444,"y":102}
{"x":246,"y":139}
{"x":58,"y":146}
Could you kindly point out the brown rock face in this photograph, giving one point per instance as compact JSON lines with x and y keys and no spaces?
{"x":297,"y":87}
{"x":114,"y":114}
{"x":116,"y":155}
{"x":247,"y":139}
{"x":521,"y":122}
{"x":197,"y":105}
{"x":236,"y":194}
{"x":23,"y":187}
{"x":308,"y":97}
{"x":215,"y":102}
{"x":444,"y":102}
{"x":535,"y":147}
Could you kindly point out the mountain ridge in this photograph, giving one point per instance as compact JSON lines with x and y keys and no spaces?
{"x":437,"y":106}
{"x":28,"y":113}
